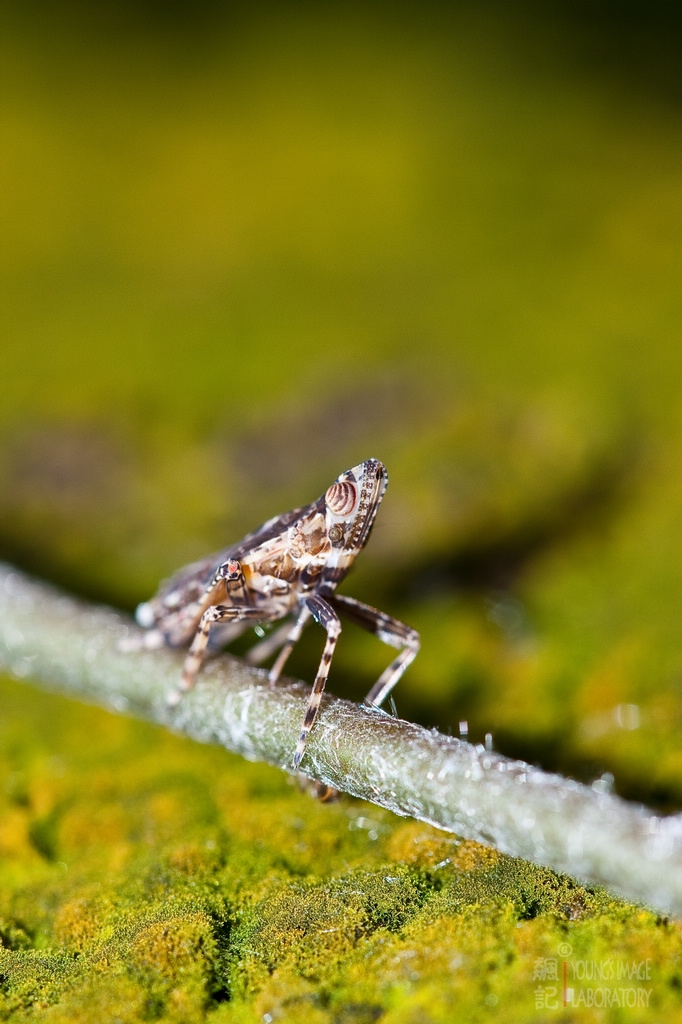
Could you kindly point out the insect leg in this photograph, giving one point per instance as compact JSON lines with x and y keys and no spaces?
{"x":228,"y":583}
{"x":292,"y":638}
{"x":388,"y":629}
{"x":235,"y":585}
{"x":323,"y":613}
{"x":195,"y":655}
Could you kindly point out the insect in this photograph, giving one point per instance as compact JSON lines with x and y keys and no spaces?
{"x":288,"y":569}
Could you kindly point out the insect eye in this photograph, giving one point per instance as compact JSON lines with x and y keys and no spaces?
{"x":341,"y":498}
{"x":336,"y":534}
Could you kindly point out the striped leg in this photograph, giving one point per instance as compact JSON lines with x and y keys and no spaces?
{"x":388,"y":629}
{"x":227,"y":584}
{"x":195,"y":654}
{"x":292,"y":639}
{"x":235,"y":584}
{"x":179,"y":625}
{"x":323,"y":613}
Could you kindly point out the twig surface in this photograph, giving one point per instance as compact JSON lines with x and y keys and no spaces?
{"x":73,"y":648}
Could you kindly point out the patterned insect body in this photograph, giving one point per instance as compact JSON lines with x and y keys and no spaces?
{"x":289,"y":568}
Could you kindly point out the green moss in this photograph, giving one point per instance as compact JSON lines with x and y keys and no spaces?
{"x":182,"y":884}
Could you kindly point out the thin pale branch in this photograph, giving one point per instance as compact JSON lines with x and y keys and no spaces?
{"x":74,"y":649}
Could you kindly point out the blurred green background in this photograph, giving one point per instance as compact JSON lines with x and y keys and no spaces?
{"x":246,"y":247}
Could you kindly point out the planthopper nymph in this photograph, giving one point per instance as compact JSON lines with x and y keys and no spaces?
{"x":287,"y":569}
